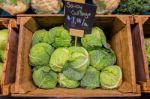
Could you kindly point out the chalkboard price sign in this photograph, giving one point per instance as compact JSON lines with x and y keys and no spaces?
{"x":79,"y":16}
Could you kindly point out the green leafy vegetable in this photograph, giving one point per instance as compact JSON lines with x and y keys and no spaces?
{"x":40,"y":54}
{"x":77,"y":63}
{"x":67,"y":83}
{"x":91,"y":79}
{"x":134,"y":6}
{"x":102,"y":58}
{"x":111,"y":77}
{"x":38,"y":36}
{"x":1,"y":55}
{"x":147,"y":47}
{"x":94,"y":40}
{"x":62,"y":37}
{"x":45,"y":78}
{"x":3,"y":38}
{"x":59,"y":58}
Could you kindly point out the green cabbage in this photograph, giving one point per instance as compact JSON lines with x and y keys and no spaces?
{"x":57,"y":36}
{"x":102,"y":58}
{"x":67,"y":83}
{"x":91,"y":78}
{"x":111,"y":77}
{"x":3,"y":38}
{"x":58,"y":59}
{"x":40,"y":54}
{"x":147,"y":48}
{"x":45,"y":78}
{"x":62,"y":37}
{"x":38,"y":36}
{"x":77,"y":63}
{"x":1,"y":55}
{"x":1,"y":71}
{"x":94,"y":40}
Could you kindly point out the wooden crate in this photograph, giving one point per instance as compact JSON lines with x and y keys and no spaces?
{"x":118,"y":32}
{"x":10,"y":55}
{"x":141,"y":30}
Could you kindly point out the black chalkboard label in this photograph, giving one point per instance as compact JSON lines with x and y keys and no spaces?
{"x":79,"y":16}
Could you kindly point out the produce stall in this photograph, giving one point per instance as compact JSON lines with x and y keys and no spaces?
{"x":74,"y":48}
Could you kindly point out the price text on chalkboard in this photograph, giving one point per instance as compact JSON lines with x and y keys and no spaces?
{"x":79,"y":16}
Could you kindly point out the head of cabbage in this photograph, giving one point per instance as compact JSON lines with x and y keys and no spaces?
{"x":59,"y":59}
{"x":77,"y":63}
{"x":40,"y":54}
{"x":94,"y":40}
{"x":3,"y":38}
{"x":102,"y":58}
{"x":111,"y":77}
{"x":44,"y":77}
{"x":91,"y":78}
{"x":66,"y":82}
{"x":57,"y":37}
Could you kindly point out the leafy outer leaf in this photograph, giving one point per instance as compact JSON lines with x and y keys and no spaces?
{"x":45,"y":78}
{"x":77,"y":63}
{"x":94,"y":40}
{"x":40,"y":54}
{"x":59,"y":58}
{"x":67,"y":83}
{"x":102,"y":58}
{"x":3,"y":38}
{"x":111,"y":77}
{"x":90,"y":79}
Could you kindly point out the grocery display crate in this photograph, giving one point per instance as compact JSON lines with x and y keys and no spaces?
{"x":10,"y":55}
{"x":141,"y":30}
{"x":118,"y":33}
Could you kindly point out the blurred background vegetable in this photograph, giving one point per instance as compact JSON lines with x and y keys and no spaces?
{"x":46,"y":6}
{"x":133,"y":6}
{"x":147,"y":48}
{"x":3,"y":43}
{"x":14,"y":6}
{"x":106,"y":6}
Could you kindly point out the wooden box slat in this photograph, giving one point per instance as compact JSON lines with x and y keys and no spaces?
{"x":140,"y":31}
{"x":118,"y":32}
{"x":10,"y":55}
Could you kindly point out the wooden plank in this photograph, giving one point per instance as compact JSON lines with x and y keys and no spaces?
{"x":10,"y":56}
{"x":139,"y":31}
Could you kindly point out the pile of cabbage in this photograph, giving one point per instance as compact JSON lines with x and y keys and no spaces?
{"x":3,"y":43}
{"x":56,"y":62}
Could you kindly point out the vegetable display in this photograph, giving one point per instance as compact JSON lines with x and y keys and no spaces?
{"x":3,"y":44}
{"x":46,"y":6}
{"x":57,"y":62}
